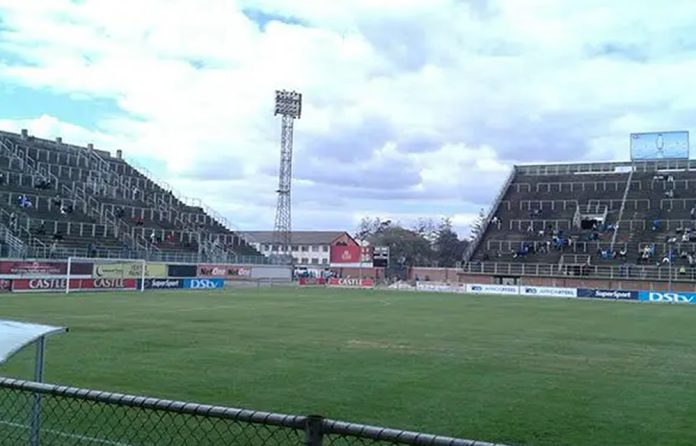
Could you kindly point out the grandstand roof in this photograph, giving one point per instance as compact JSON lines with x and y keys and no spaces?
{"x":300,"y":237}
{"x":14,"y":336}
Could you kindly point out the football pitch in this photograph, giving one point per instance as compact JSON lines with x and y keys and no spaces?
{"x":522,"y":371}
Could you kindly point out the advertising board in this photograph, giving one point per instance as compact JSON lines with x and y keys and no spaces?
{"x":667,"y":297}
{"x":440,"y":287}
{"x":44,"y":268}
{"x":38,"y":285}
{"x":345,"y":254}
{"x":182,"y":271}
{"x":312,"y":281}
{"x":351,"y":283}
{"x":607,"y":294}
{"x":548,"y":291}
{"x":129,"y":270}
{"x":203,"y":284}
{"x":229,"y":272}
{"x":163,"y":284}
{"x":660,"y":145}
{"x":492,"y":289}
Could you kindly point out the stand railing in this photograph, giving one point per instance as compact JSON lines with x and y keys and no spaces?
{"x":473,"y":245}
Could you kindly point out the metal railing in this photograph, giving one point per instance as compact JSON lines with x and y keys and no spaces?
{"x":623,"y":271}
{"x":473,"y":245}
{"x":47,"y":415}
{"x":621,"y":210}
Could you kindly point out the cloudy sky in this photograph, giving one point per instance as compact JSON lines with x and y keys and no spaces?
{"x":413,"y":108}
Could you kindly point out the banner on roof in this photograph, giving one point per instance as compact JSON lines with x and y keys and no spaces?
{"x":660,"y":145}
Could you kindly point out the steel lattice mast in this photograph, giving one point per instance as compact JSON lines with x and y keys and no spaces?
{"x":289,"y":106}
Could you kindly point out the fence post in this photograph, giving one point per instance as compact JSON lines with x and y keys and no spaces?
{"x":313,"y":430}
{"x":36,"y":406}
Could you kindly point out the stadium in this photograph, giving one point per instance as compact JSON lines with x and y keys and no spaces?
{"x":132,"y":314}
{"x":447,"y":353}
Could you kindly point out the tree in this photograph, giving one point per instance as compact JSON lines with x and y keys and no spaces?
{"x":478,"y":227}
{"x":448,"y":248}
{"x":407,"y":247}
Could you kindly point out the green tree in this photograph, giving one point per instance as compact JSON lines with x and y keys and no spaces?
{"x":479,"y":225}
{"x":448,"y":248}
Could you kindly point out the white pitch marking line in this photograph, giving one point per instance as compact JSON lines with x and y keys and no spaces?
{"x":65,"y":434}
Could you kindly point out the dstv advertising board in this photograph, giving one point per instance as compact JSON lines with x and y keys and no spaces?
{"x":667,"y":297}
{"x":203,"y":284}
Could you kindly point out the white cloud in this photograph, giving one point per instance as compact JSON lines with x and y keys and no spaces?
{"x":412,"y":107}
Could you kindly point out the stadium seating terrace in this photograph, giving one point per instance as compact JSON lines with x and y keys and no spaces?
{"x":59,"y":200}
{"x":576,"y":218}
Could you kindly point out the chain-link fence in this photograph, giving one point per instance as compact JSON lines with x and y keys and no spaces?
{"x":47,"y":415}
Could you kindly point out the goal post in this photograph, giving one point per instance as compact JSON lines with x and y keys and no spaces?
{"x":108,"y":269}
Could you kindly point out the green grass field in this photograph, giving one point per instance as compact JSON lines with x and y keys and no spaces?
{"x":522,"y":371}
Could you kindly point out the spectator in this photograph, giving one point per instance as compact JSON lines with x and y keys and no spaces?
{"x":685,"y":237}
{"x":118,"y":212}
{"x":13,"y":221}
{"x":54,"y":248}
{"x":623,"y":252}
{"x":153,"y":237}
{"x":57,"y":235}
{"x":57,"y":201}
{"x":135,"y":193}
{"x":530,"y":228}
{"x":42,"y":229}
{"x":2,"y":178}
{"x":656,"y":225}
{"x":692,"y":213}
{"x":669,"y":194}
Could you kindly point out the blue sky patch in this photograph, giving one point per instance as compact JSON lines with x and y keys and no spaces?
{"x":17,"y":102}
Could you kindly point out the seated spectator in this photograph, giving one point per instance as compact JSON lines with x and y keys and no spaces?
{"x":118,"y":212}
{"x":682,"y":270}
{"x":57,"y":235}
{"x":57,"y":201}
{"x":692,"y":213}
{"x":541,"y":233}
{"x":530,"y":228}
{"x":656,"y":225}
{"x":41,"y":229}
{"x":53,"y":249}
{"x":669,"y":193}
{"x":623,"y":252}
{"x":153,"y":237}
{"x":685,"y":237}
{"x":2,"y":178}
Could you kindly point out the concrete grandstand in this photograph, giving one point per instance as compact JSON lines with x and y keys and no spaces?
{"x":59,"y":200}
{"x":631,"y":220}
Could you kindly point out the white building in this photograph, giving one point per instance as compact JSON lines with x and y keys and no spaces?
{"x":311,"y":248}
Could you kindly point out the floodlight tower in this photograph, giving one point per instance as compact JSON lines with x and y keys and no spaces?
{"x":288,"y":104}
